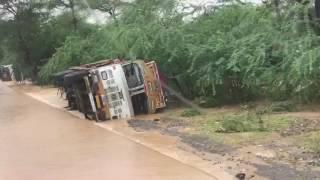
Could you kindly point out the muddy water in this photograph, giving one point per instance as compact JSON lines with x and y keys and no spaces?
{"x":38,"y":142}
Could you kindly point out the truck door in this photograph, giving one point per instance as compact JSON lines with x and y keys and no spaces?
{"x":116,"y":91}
{"x":160,"y":99}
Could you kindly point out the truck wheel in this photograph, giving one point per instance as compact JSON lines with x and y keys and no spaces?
{"x":145,"y":106}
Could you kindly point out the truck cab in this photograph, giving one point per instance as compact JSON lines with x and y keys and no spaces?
{"x":144,"y":86}
{"x":116,"y":95}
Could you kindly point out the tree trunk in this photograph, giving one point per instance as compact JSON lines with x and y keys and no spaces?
{"x":26,"y":51}
{"x":74,"y":18}
{"x":277,"y":8}
{"x":317,"y":8}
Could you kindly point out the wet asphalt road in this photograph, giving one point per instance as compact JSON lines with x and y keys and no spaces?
{"x":38,"y":142}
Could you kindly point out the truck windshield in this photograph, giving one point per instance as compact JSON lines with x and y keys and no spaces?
{"x":133,"y":75}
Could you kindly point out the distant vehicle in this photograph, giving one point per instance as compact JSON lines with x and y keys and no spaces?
{"x":6,"y":73}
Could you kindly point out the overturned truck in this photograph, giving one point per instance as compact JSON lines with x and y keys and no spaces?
{"x":113,"y":89}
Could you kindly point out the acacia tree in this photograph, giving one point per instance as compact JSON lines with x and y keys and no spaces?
{"x":112,"y":7}
{"x":24,"y":18}
{"x":29,"y":33}
{"x":70,"y":4}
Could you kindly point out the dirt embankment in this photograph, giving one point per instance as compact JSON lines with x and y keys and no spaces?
{"x":173,"y":127}
{"x":276,"y":159}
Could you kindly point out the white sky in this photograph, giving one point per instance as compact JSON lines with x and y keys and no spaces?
{"x":199,"y":2}
{"x":97,"y":17}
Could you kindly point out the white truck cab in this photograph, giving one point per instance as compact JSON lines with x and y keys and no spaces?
{"x":116,"y":95}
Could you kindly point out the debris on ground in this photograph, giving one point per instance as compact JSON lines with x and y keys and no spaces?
{"x":301,"y":126}
{"x":143,"y":125}
{"x":273,"y":155}
{"x":276,"y":170}
{"x":173,"y":128}
{"x":241,"y":176}
{"x":205,"y":144}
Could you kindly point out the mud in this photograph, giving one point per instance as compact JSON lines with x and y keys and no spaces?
{"x":276,"y":171}
{"x":143,"y":125}
{"x":205,"y":144}
{"x":299,"y":156}
{"x":301,"y":126}
{"x":172,"y":127}
{"x":255,"y":161}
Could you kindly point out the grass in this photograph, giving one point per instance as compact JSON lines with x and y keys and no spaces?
{"x":233,"y":125}
{"x":236,"y":127}
{"x":282,"y":106}
{"x":276,"y":122}
{"x":235,"y":122}
{"x":190,"y":113}
{"x":240,"y":139}
{"x":243,"y":122}
{"x":271,"y":125}
{"x":311,"y":141}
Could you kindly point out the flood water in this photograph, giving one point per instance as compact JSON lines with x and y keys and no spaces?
{"x":38,"y":142}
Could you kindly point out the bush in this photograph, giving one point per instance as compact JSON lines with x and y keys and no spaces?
{"x":190,"y":113}
{"x":242,"y":123}
{"x":208,"y":101}
{"x":314,"y":143}
{"x":282,"y":106}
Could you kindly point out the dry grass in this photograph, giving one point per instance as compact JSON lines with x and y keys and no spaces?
{"x":211,"y":122}
{"x":311,"y":141}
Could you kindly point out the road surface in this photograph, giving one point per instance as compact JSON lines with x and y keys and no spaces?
{"x":38,"y":142}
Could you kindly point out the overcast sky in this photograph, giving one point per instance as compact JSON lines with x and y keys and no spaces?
{"x":100,"y":18}
{"x":203,"y":2}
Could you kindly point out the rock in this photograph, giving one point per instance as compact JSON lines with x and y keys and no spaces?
{"x":215,"y":163}
{"x":265,"y":154}
{"x":156,"y":119}
{"x":312,"y":163}
{"x":241,"y":176}
{"x":252,"y":176}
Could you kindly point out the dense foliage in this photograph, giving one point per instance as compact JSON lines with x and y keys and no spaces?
{"x":229,"y":53}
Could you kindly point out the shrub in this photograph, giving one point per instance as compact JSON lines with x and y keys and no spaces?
{"x":314,"y":143}
{"x":245,"y":122}
{"x":190,"y":113}
{"x":282,"y":106}
{"x":208,"y":101}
